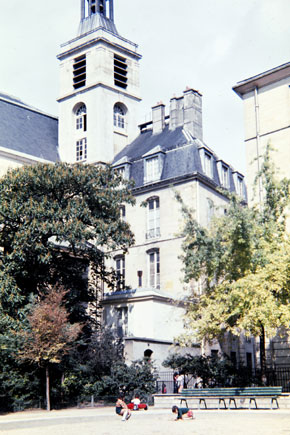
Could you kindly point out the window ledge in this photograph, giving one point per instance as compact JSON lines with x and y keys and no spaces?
{"x":120,"y":131}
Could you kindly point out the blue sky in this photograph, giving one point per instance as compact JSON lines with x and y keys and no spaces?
{"x":209,"y":45}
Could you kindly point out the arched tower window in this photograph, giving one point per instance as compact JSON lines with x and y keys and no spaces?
{"x":120,"y":115}
{"x":81,"y":118}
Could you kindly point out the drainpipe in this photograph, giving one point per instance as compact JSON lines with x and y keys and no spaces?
{"x":257,"y":119}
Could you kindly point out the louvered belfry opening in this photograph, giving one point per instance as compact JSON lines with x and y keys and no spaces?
{"x":79,"y":72}
{"x":120,"y":71}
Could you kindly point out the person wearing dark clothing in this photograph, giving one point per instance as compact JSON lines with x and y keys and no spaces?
{"x":182,"y":412}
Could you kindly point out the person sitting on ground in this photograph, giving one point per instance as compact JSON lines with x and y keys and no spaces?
{"x":182,"y":412}
{"x":122,"y":408}
{"x":136,"y":404}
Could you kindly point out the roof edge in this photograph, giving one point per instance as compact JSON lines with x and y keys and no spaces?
{"x":14,"y":101}
{"x":263,"y":79}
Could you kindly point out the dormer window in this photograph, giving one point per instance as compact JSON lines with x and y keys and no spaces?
{"x":225,"y":176}
{"x":122,"y":167}
{"x":240,"y":190}
{"x":153,"y":164}
{"x":239,"y":184}
{"x":152,"y":169}
{"x":208,"y":165}
{"x":121,"y":171}
{"x":206,"y":162}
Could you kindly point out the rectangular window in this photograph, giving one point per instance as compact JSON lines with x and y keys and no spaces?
{"x":208,"y":165}
{"x":120,"y":71}
{"x":121,"y":171}
{"x":153,"y":219}
{"x":81,"y":150}
{"x":225,"y":176}
{"x":249,"y":360}
{"x":122,"y":213}
{"x":234,"y":358}
{"x":240,"y":191}
{"x":79,"y":72}
{"x":152,"y":169}
{"x":122,"y":321}
{"x":120,"y":272}
{"x":81,"y":122}
{"x":154,"y":269}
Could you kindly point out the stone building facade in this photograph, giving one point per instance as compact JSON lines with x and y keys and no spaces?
{"x":266,"y":99}
{"x":98,"y":107}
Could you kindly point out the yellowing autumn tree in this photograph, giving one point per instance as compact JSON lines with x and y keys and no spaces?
{"x":244,"y":261}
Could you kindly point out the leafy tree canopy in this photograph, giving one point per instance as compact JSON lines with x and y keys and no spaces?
{"x":51,"y":215}
{"x":244,"y":262}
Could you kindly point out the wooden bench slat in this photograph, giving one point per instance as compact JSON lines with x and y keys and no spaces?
{"x":232,"y":393}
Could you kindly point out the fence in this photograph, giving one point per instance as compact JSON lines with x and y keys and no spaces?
{"x":279,"y":376}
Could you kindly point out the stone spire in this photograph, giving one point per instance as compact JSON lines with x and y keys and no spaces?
{"x":97,"y":14}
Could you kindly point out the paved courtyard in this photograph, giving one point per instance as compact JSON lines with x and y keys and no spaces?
{"x":103,"y":421}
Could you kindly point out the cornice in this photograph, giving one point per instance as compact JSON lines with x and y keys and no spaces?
{"x":93,"y":42}
{"x":97,"y":85}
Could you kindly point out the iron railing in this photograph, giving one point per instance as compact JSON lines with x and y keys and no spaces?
{"x":277,"y":376}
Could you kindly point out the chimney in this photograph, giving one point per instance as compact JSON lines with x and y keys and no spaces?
{"x":176,"y":113}
{"x":158,"y":117}
{"x":192,"y":109}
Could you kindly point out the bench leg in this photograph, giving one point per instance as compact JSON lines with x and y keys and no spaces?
{"x":272,"y":401}
{"x":254,"y":400}
{"x":199,"y":403}
{"x":221,"y":399}
{"x":232,"y":399}
{"x":184,"y":400}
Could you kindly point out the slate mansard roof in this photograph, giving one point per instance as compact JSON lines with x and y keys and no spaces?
{"x":182,"y":158}
{"x":26,"y":130}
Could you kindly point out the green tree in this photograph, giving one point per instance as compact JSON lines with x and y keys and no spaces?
{"x":213,"y":370}
{"x":49,"y":335}
{"x":244,"y":262}
{"x":55,"y":220}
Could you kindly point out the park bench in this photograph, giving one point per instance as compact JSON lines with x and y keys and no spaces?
{"x":232,"y":394}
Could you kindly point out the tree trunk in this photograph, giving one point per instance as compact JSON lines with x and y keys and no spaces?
{"x":47,"y":389}
{"x":263,"y":354}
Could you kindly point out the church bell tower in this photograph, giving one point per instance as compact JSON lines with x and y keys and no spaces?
{"x":99,"y":88}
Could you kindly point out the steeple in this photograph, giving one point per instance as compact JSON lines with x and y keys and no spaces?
{"x":99,"y":88}
{"x":97,"y":14}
